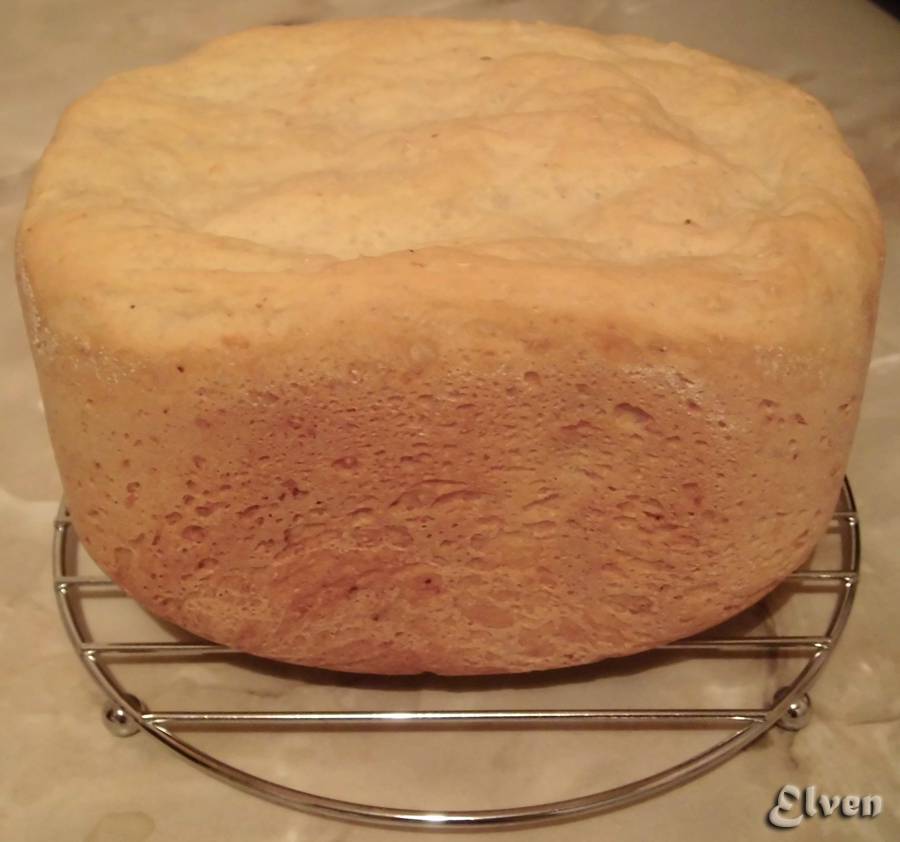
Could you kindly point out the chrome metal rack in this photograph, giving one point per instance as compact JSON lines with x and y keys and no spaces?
{"x":126,"y":715}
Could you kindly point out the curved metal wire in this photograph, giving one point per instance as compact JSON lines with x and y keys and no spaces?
{"x":750,"y":723}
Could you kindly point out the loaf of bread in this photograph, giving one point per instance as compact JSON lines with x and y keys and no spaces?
{"x":467,"y":347}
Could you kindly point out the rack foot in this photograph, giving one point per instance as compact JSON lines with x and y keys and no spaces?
{"x":798,"y":714}
{"x":118,"y":721}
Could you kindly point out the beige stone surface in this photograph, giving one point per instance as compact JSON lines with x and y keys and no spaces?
{"x":66,"y":778}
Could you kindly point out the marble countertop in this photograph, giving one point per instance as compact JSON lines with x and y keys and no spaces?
{"x":65,"y":778}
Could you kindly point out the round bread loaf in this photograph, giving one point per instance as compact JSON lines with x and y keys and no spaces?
{"x":466,"y":347}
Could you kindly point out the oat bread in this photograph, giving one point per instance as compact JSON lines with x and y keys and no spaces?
{"x":424,"y":345}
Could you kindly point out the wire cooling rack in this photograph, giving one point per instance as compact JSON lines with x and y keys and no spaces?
{"x":125,"y":714}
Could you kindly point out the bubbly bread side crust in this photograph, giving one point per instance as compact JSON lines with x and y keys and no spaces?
{"x":446,"y":519}
{"x":452,"y":347}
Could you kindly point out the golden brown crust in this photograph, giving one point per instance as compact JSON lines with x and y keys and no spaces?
{"x":461,"y":347}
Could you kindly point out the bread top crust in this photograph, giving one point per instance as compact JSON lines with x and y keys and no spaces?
{"x":286,"y":183}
